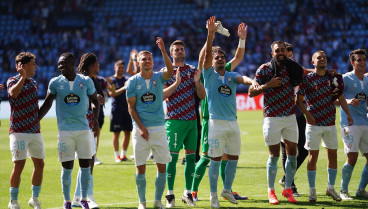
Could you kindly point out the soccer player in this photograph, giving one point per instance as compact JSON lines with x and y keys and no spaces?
{"x":120,"y":118}
{"x":355,"y":137}
{"x":205,"y":159}
{"x":73,"y":92}
{"x":223,"y":129}
{"x":181,"y":121}
{"x":89,"y":66}
{"x":317,"y":88}
{"x":144,"y":96}
{"x":24,"y":133}
{"x":302,"y":153}
{"x":278,"y":79}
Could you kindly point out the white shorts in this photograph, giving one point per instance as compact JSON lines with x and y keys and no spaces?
{"x":73,"y":143}
{"x":314,"y":135}
{"x":94,"y":142}
{"x":277,"y":128}
{"x":157,"y":142}
{"x":223,"y":137}
{"x":23,"y":145}
{"x":355,"y":138}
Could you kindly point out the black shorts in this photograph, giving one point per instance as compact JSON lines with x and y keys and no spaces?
{"x":120,"y":121}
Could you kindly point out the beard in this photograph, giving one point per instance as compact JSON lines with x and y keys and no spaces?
{"x":281,"y":62}
{"x":179,"y":59}
{"x":219,"y":68}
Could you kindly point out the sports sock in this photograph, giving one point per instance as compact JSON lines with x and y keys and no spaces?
{"x":14,"y":193}
{"x":331,"y":177}
{"x":160,"y":185}
{"x":364,"y":178}
{"x":66,"y":180}
{"x":90,"y":187}
{"x":213,"y":173}
{"x":222,"y":171}
{"x":171,"y":171}
{"x":36,"y":191}
{"x":123,"y":153}
{"x":140,"y":180}
{"x":271,"y":171}
{"x":347,"y":170}
{"x":230,"y":172}
{"x":189,"y":170}
{"x":200,"y":169}
{"x":85,"y":177}
{"x":290,"y":169}
{"x":312,"y":178}
{"x":77,"y":192}
{"x":116,"y":154}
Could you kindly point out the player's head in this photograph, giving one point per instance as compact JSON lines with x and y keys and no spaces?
{"x":66,"y":63}
{"x":279,"y":51}
{"x":358,"y":59}
{"x":218,"y":58}
{"x":88,"y":64}
{"x":145,"y":60}
{"x":177,"y":51}
{"x":28,"y":60}
{"x":119,"y":67}
{"x":319,"y":59}
{"x":290,"y":49}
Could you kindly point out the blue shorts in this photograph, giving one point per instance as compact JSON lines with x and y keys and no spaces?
{"x":120,"y":121}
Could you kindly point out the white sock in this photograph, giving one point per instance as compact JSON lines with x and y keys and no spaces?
{"x":116,"y":153}
{"x":170,"y":192}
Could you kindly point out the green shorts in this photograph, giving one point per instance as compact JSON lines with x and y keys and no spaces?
{"x":204,"y":135}
{"x":181,"y":134}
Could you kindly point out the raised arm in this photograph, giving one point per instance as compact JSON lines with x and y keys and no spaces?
{"x":166,"y":75}
{"x":239,"y":55}
{"x":133,"y":112}
{"x":212,"y":28}
{"x":45,"y":107}
{"x":16,"y":88}
{"x":132,"y":64}
{"x":168,"y":91}
{"x":201,"y":92}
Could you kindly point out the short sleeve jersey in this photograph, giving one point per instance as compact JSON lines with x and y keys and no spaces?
{"x":353,"y":88}
{"x":119,"y":102}
{"x":279,"y":101}
{"x":317,"y":91}
{"x":181,"y":104}
{"x":221,"y":94}
{"x":149,"y":98}
{"x":24,"y":108}
{"x":72,"y":104}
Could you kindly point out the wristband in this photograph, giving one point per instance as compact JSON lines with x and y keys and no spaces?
{"x":241,"y":43}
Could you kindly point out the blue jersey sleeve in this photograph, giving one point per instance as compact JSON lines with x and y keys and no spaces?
{"x":130,"y":89}
{"x":90,"y":87}
{"x":52,"y":88}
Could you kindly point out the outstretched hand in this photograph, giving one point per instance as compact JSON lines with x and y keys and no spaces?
{"x":242,"y":31}
{"x":160,"y":43}
{"x":21,"y":70}
{"x":211,"y":25}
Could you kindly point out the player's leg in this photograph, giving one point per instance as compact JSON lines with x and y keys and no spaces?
{"x":127,"y":127}
{"x":363,"y":146}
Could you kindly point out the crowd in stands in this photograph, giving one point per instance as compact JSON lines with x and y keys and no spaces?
{"x":111,"y":29}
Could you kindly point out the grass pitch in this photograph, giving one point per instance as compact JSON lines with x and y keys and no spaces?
{"x":114,"y":183}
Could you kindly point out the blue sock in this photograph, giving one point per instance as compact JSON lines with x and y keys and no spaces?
{"x":160,"y":185}
{"x":347,"y":170}
{"x":85,"y":174}
{"x":230,"y":171}
{"x":312,"y":178}
{"x":36,"y":191}
{"x":364,"y":178}
{"x":331,"y":176}
{"x":66,"y":180}
{"x":14,"y":193}
{"x":90,"y":188}
{"x":77,"y":187}
{"x":140,"y":180}
{"x":271,"y":171}
{"x":290,"y":169}
{"x":213,"y":173}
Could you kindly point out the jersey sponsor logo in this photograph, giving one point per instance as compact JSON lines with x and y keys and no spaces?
{"x":225,"y":91}
{"x":361,"y":97}
{"x":148,"y":98}
{"x":72,"y":99}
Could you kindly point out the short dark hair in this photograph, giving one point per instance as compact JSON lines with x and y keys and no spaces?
{"x":217,"y":49}
{"x":177,"y":42}
{"x":289,"y":47}
{"x":86,"y":60}
{"x":355,"y":52}
{"x":68,"y":55}
{"x":24,"y":57}
{"x":119,"y":62}
{"x":277,"y":42}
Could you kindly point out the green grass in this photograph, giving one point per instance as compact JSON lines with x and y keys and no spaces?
{"x":115,"y":182}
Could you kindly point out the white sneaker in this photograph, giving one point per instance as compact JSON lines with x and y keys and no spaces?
{"x":13,"y":204}
{"x":158,"y":204}
{"x":332,"y":193}
{"x":214,"y":202}
{"x":142,"y":205}
{"x":221,"y":30}
{"x":229,"y":196}
{"x":345,"y":195}
{"x":312,"y":195}
{"x":97,"y":161}
{"x":92,"y":204}
{"x":76,"y":202}
{"x":170,"y":201}
{"x":34,"y":203}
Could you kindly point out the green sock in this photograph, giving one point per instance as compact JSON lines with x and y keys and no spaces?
{"x":189,"y":170}
{"x":222,"y":171}
{"x":200,"y":169}
{"x":171,"y":171}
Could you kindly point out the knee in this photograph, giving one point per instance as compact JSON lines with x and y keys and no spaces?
{"x":352,"y":159}
{"x":84,"y":163}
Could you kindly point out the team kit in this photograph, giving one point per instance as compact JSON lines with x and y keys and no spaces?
{"x":299,"y":112}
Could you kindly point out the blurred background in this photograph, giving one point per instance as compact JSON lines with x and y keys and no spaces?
{"x":112,"y":28}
